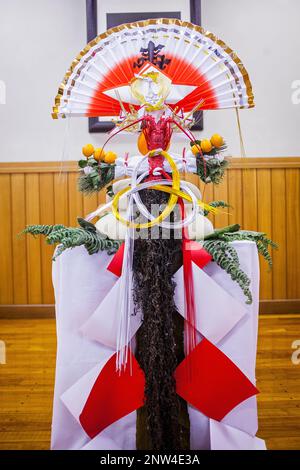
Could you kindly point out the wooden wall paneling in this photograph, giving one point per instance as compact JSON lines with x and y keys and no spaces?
{"x":220,"y":192}
{"x":207,"y":192}
{"x":249,"y":199}
{"x":265,"y":194}
{"x":234,"y":196}
{"x":46,"y":218}
{"x":90,"y":203}
{"x":194,"y":179}
{"x":279,"y":233}
{"x":75,"y":199}
{"x":235,"y":163}
{"x":292,"y":195}
{"x":18,"y":218}
{"x":61,"y":198}
{"x":6,"y":265}
{"x":264,"y":224}
{"x":101,"y":198}
{"x":34,"y":271}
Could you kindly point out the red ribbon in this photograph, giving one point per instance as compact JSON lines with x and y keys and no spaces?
{"x":216,"y":385}
{"x":114,"y":395}
{"x":116,"y":264}
{"x":198,"y":254}
{"x":192,"y":251}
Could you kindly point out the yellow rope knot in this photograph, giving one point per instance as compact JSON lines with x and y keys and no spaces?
{"x":173,"y":190}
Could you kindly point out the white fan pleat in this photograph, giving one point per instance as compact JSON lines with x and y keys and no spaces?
{"x":110,"y":60}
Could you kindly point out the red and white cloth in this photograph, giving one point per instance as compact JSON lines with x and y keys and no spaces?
{"x":87,"y":324}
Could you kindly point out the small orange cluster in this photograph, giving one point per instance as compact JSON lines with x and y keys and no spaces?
{"x":99,"y":154}
{"x":208,"y":144}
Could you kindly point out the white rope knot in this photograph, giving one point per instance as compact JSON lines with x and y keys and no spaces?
{"x":157,"y":171}
{"x":137,"y":186}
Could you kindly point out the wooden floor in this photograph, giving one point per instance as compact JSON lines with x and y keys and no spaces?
{"x":26,"y":383}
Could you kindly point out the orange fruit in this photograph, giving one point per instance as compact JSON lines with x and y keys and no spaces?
{"x":142,"y":144}
{"x":99,"y":154}
{"x":110,"y":157}
{"x":88,"y":150}
{"x":195,"y":149}
{"x":206,"y":146}
{"x":217,"y":140}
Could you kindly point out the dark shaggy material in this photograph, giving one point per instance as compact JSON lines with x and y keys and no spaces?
{"x":163,"y":422}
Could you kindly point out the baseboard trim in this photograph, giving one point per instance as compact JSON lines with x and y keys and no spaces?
{"x":275,"y":307}
{"x":27,"y":311}
{"x":280,"y":306}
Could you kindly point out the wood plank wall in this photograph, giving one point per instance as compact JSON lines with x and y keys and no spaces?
{"x":264,"y":193}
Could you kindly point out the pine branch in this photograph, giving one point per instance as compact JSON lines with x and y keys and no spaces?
{"x":99,"y":177}
{"x":222,"y":204}
{"x":212,"y":171}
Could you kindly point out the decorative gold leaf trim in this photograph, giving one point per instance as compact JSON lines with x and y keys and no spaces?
{"x":140,"y":24}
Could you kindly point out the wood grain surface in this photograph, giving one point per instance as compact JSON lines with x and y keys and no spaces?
{"x":27,"y":380}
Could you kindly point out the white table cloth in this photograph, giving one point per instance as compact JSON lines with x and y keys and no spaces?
{"x":87,"y":318}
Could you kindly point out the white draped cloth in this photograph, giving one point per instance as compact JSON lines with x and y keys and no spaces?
{"x":87,"y":317}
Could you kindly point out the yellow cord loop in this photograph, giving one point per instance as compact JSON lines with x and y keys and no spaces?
{"x":173,"y":190}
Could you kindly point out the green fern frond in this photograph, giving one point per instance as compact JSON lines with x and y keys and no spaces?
{"x":41,"y":229}
{"x":70,"y":237}
{"x":263,"y":243}
{"x":218,"y":244}
{"x":227,"y":258}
